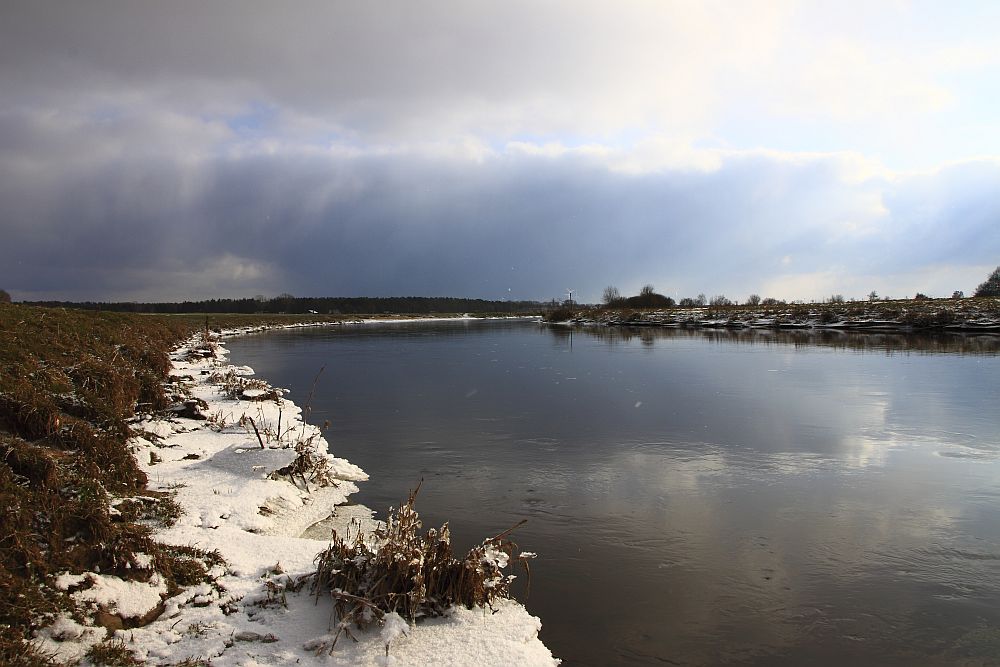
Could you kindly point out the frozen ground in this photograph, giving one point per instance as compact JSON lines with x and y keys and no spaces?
{"x":254,"y":613}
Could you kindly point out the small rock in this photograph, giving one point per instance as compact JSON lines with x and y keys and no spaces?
{"x":108,"y":620}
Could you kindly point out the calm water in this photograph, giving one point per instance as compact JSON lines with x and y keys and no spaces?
{"x":695,"y":498}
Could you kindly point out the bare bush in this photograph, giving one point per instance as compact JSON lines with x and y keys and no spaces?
{"x":399,"y":571}
{"x":239,"y":387}
{"x":611,"y":295}
{"x":720,"y":300}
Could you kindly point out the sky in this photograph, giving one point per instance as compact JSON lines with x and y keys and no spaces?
{"x":187,"y":150}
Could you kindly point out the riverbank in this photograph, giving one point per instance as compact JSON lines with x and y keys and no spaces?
{"x":956,"y":315}
{"x":217,"y":570}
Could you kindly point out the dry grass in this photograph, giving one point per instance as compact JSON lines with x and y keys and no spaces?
{"x":236,"y":386}
{"x":308,"y":467}
{"x":399,"y":570}
{"x":70,"y":384}
{"x":112,"y":653}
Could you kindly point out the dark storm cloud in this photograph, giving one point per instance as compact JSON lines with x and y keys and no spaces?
{"x":119,"y":226}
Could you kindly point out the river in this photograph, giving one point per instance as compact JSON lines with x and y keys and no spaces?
{"x":694,"y":497}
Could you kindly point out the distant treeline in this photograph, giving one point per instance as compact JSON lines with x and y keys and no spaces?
{"x":323,"y":305}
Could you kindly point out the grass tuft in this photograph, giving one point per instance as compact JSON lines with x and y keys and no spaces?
{"x":112,"y":653}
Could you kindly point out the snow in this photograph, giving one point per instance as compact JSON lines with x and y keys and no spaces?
{"x":394,"y":626}
{"x":66,"y":640}
{"x":265,"y":526}
{"x":254,"y":393}
{"x":128,"y":599}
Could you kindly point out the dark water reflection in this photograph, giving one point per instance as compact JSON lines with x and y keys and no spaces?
{"x":695,"y":497}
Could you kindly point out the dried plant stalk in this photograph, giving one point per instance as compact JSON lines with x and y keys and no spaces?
{"x":396,"y":569}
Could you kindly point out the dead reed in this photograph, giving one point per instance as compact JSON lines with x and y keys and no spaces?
{"x":398,"y":570}
{"x":238,"y":387}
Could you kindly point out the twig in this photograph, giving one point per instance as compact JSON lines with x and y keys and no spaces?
{"x":252,"y":423}
{"x":511,"y":529}
{"x":307,"y":410}
{"x":359,"y":600}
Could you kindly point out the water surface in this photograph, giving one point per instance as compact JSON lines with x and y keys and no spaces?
{"x":695,"y":497}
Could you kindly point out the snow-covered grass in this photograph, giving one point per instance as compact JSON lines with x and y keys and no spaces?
{"x":250,"y":476}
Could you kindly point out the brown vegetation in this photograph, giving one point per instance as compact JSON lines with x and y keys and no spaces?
{"x":72,"y":496}
{"x":410,"y":574}
{"x":925,"y":314}
{"x":71,"y":491}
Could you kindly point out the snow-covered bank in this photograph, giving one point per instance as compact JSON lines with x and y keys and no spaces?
{"x":387,"y":319}
{"x":938,"y":315}
{"x":229,"y":459}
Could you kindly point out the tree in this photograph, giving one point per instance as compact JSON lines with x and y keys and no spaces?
{"x":753,"y":300}
{"x":720,"y":300}
{"x":648,"y":298}
{"x":701,"y":300}
{"x":873,"y":296}
{"x":992,"y":285}
{"x":611,"y":295}
{"x":4,"y":296}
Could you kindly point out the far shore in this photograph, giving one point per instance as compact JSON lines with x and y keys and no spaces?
{"x":932,"y":315}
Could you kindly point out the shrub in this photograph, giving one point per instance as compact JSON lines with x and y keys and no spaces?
{"x":649,"y":298}
{"x":238,"y":387}
{"x":308,"y":466}
{"x":410,"y":574}
{"x":560,"y":315}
